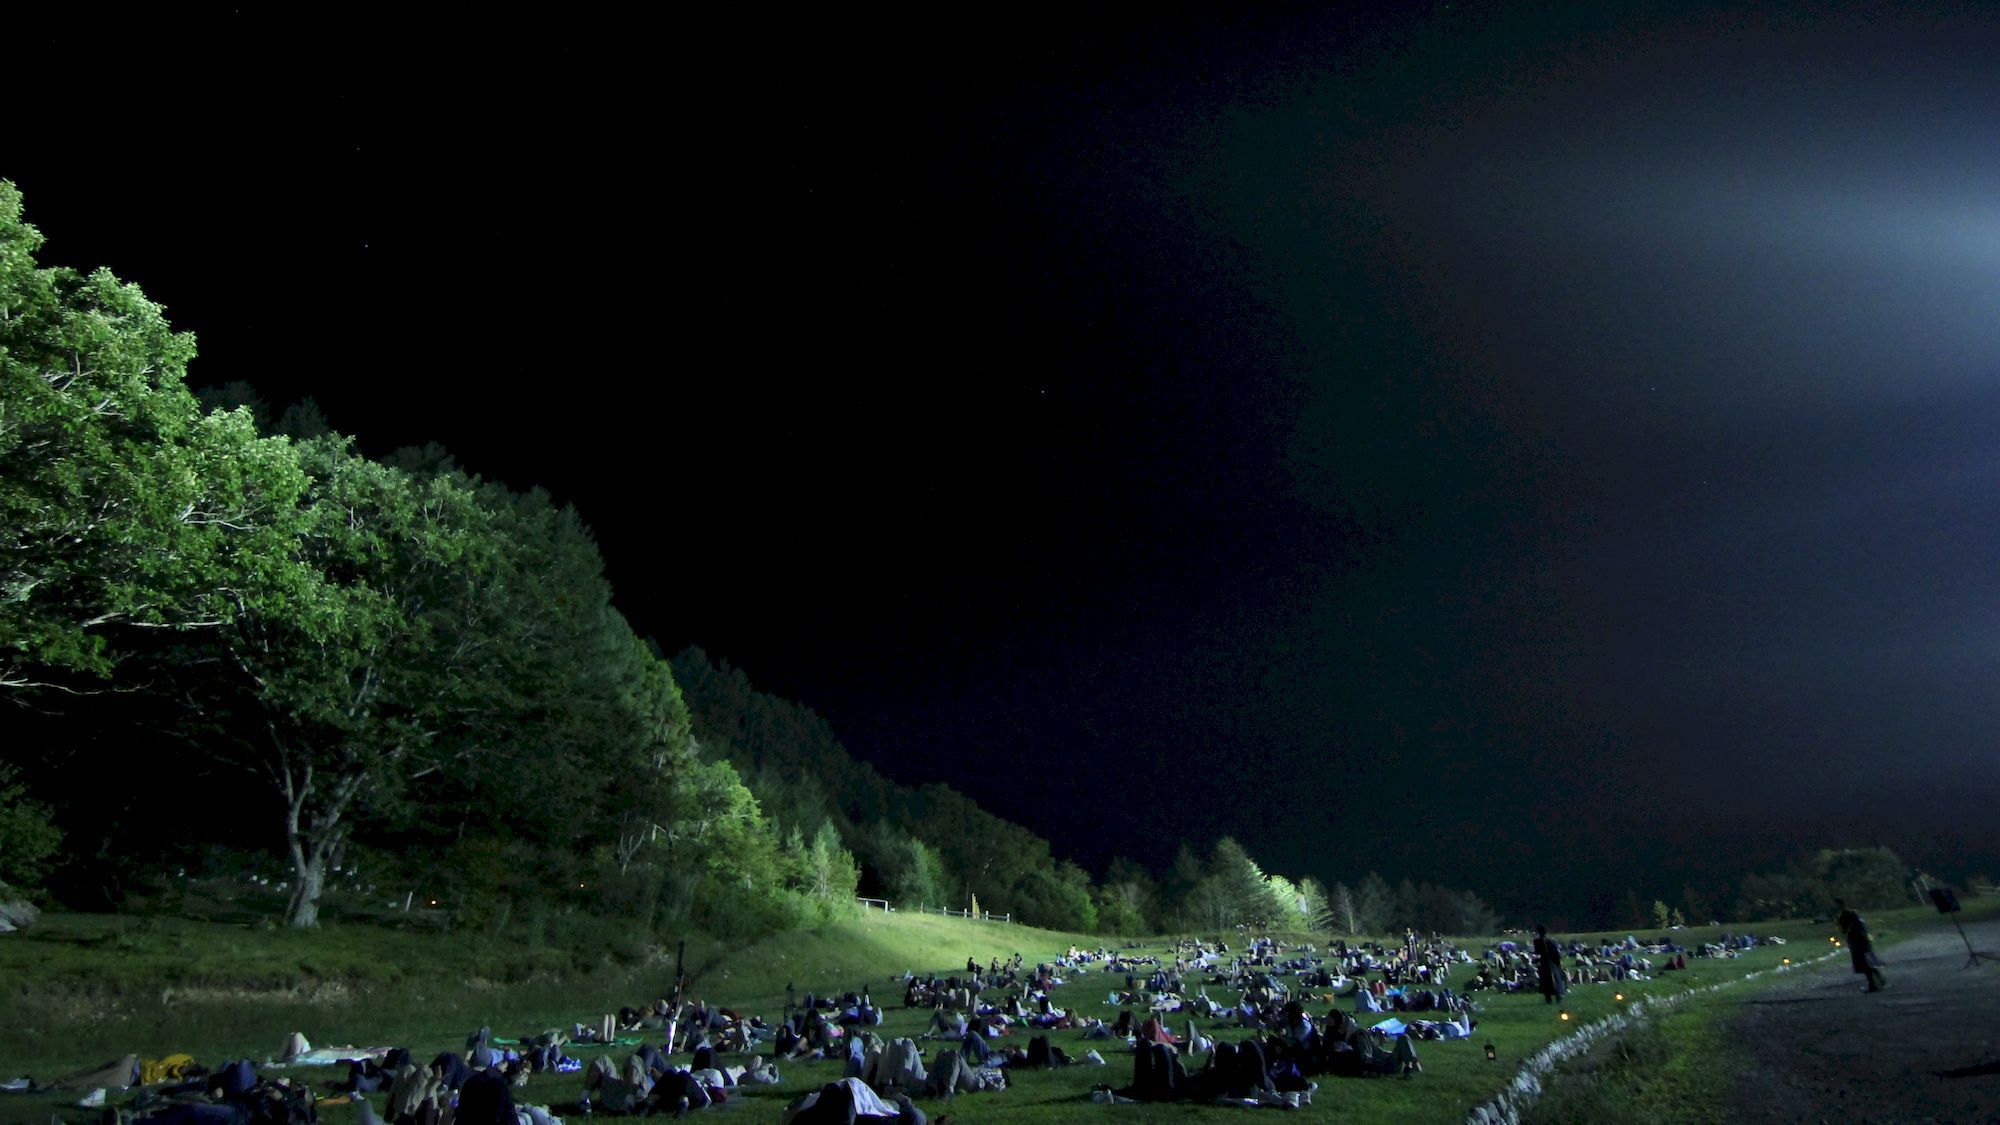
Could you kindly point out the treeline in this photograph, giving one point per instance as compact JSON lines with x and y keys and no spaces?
{"x":226,"y":634}
{"x":1228,"y":888}
{"x":1869,"y":878}
{"x":391,"y":671}
{"x":385,"y":659}
{"x":932,"y":846}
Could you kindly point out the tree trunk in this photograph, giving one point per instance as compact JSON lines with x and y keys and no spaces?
{"x":313,"y":853}
{"x":315,"y":835}
{"x":308,"y":880}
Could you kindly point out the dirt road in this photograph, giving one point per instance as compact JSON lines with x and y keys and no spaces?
{"x":1816,"y":1048}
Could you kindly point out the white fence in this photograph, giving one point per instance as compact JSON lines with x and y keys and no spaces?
{"x":882,"y":904}
{"x":982,"y":916}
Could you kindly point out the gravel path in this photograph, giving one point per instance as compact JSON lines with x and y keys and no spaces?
{"x":1815,"y":1047}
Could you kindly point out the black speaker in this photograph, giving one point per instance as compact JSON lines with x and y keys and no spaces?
{"x":1947,"y":902}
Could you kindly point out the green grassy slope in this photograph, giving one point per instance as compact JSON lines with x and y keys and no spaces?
{"x":80,"y":988}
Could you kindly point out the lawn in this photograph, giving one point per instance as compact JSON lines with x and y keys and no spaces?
{"x":84,"y":988}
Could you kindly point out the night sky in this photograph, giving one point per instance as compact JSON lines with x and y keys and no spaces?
{"x":1545,"y":454}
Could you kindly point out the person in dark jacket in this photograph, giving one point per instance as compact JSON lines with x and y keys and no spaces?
{"x":1548,"y":966}
{"x":1859,"y":948}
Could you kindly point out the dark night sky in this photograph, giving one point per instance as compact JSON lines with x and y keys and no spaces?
{"x":1545,"y":454}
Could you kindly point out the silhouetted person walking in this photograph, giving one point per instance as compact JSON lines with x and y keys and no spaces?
{"x":1855,"y":931}
{"x":1548,"y":966}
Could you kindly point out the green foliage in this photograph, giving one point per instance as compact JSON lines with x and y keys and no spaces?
{"x":825,"y":872}
{"x":789,"y":755}
{"x":390,"y":626}
{"x":1316,"y":906}
{"x":1230,"y":891}
{"x":1346,"y":912}
{"x":1057,"y":897}
{"x":918,"y":877}
{"x":1288,"y":911}
{"x":28,"y":835}
{"x":1376,"y":908}
{"x":1868,"y":878}
{"x":1700,"y":906}
{"x":1120,"y":909}
{"x":1128,"y":899}
{"x":1241,"y":887}
{"x":800,"y":772}
{"x":1375,"y":904}
{"x":376,"y":681}
{"x":1632,"y":913}
{"x":124,"y":507}
{"x":1186,"y":873}
{"x":1789,"y":893}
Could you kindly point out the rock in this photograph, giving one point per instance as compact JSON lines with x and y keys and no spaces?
{"x":16,"y":912}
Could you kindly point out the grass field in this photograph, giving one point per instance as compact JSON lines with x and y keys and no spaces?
{"x":80,"y":989}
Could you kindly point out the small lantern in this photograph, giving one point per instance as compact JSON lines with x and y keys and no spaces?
{"x":1564,"y":1013}
{"x":1619,"y":996}
{"x":1490,"y":1055}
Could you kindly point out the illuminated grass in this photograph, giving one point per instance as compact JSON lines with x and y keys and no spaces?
{"x":85,"y":988}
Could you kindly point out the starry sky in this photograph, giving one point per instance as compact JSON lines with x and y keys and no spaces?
{"x":1546,"y":453}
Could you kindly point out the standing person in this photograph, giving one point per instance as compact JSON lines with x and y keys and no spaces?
{"x":1548,"y":966}
{"x":1859,"y":947}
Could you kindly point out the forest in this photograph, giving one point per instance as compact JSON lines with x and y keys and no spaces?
{"x":230,"y":642}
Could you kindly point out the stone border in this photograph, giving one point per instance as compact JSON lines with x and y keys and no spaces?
{"x":1508,"y":1106}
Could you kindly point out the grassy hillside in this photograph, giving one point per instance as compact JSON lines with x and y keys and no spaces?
{"x":85,"y":987}
{"x":81,"y":989}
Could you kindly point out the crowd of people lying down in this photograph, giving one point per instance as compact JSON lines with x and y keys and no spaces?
{"x":475,"y":1086}
{"x":1302,"y":1007}
{"x":1509,"y":966}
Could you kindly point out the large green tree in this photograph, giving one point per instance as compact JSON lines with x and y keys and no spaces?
{"x":1250,"y":896}
{"x":124,"y":506}
{"x":1374,"y":904}
{"x":1345,"y":909}
{"x":378,"y":683}
{"x":1127,"y":899}
{"x":1865,"y":877}
{"x":916,"y":874}
{"x":1316,"y":906}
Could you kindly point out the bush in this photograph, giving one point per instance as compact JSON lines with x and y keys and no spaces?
{"x":28,"y":835}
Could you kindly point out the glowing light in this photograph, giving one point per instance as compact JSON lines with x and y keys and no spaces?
{"x":1489,"y":1052}
{"x":1620,"y":996}
{"x":1565,"y":1015}
{"x":1786,"y":961}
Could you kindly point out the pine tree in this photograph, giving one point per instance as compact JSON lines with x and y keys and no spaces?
{"x":1345,"y":911}
{"x":1374,"y":903}
{"x":1315,"y":907}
